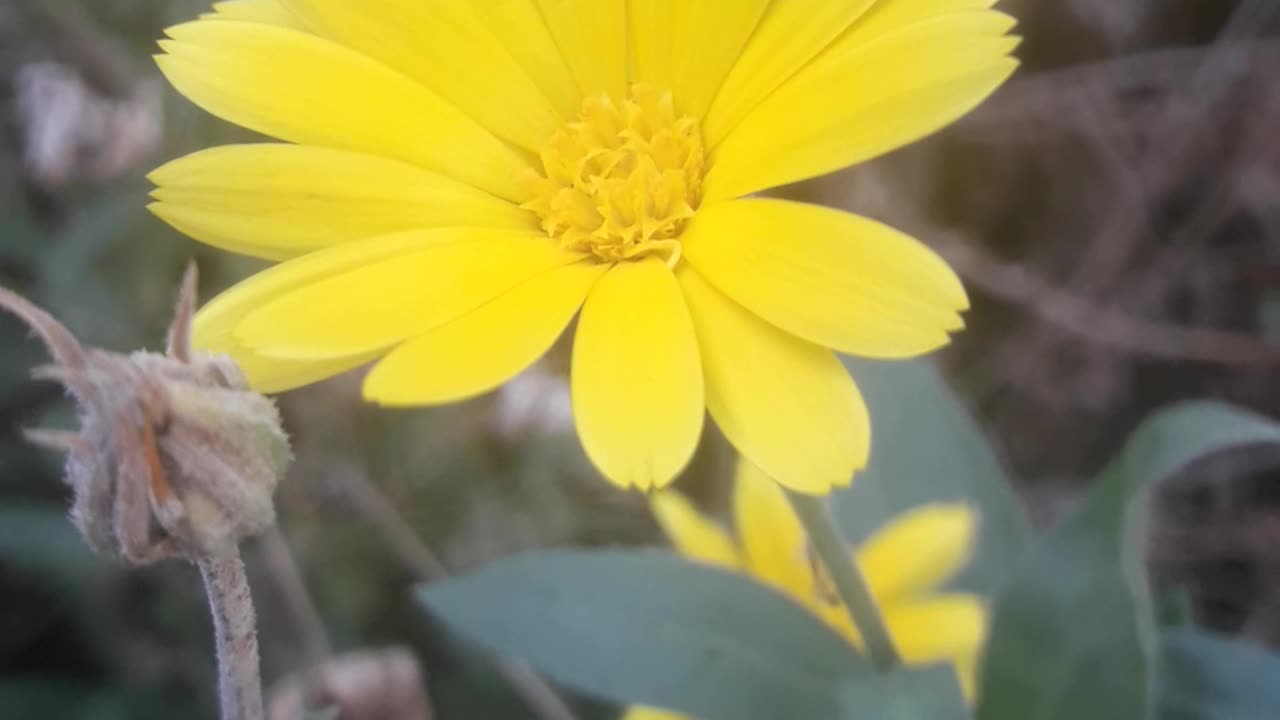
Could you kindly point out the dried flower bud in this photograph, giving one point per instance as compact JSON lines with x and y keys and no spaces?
{"x":175,"y":456}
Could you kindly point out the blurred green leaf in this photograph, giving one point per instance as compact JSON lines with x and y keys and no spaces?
{"x":21,"y":240}
{"x":1204,"y":677}
{"x":1074,"y":635}
{"x":930,"y":693}
{"x":47,"y":698}
{"x":1175,"y":609}
{"x":96,"y":225}
{"x":649,"y":627}
{"x":40,"y":540}
{"x":926,"y":447}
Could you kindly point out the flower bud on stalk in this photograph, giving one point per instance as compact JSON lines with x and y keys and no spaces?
{"x":175,"y":457}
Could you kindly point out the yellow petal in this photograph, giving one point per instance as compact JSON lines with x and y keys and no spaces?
{"x":909,"y":83}
{"x":636,"y":382}
{"x":689,"y":47}
{"x":918,"y":551}
{"x":940,"y":628}
{"x":889,"y":15}
{"x":786,"y":404}
{"x":695,"y":536}
{"x":654,"y":41}
{"x":592,"y":37}
{"x":484,"y":348}
{"x":772,"y":539}
{"x":270,"y":12}
{"x":790,"y":34}
{"x":379,"y":304}
{"x":967,"y":669}
{"x":280,"y":201}
{"x":519,"y":26}
{"x":312,"y":91}
{"x":944,"y":628}
{"x":640,"y":712}
{"x":832,"y":278}
{"x":214,"y":325}
{"x":276,"y":375}
{"x":445,"y":45}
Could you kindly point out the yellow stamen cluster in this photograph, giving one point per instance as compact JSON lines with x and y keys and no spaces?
{"x":622,"y":180}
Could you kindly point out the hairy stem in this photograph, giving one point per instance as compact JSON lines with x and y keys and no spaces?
{"x":833,"y":551}
{"x":235,"y":634}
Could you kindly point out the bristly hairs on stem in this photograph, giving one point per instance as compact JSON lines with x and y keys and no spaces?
{"x":175,"y":456}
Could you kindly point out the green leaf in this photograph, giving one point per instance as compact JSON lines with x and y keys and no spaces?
{"x":651,"y":628}
{"x":21,"y":240}
{"x":930,"y":693}
{"x":926,"y":447}
{"x":1204,"y":677}
{"x":1074,"y":635}
{"x":1174,"y":609}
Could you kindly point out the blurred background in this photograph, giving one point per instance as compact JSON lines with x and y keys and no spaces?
{"x":1114,"y":210}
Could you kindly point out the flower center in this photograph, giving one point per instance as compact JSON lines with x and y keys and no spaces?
{"x":621,"y":181}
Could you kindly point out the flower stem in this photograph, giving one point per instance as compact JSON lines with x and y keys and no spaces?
{"x":235,"y":635}
{"x":833,"y":552}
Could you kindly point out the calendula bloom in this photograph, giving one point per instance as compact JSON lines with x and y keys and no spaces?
{"x":904,"y":565}
{"x":458,"y":180}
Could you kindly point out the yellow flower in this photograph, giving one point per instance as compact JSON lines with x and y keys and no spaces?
{"x":459,"y":180}
{"x":903,"y":564}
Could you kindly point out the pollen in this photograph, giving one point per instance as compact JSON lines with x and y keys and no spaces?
{"x":622,"y":180}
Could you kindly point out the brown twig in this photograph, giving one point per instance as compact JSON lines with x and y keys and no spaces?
{"x":1045,"y":101}
{"x":1175,"y":134}
{"x":1187,"y":107}
{"x":1100,"y":325}
{"x":91,"y":50}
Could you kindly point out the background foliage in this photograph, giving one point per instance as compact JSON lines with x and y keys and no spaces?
{"x":1114,"y":210}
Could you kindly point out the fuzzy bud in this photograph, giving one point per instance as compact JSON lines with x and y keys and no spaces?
{"x":175,"y":455}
